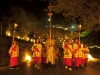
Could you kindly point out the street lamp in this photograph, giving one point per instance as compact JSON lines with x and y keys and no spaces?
{"x":79,"y":28}
{"x":15,"y":25}
{"x":50,"y":14}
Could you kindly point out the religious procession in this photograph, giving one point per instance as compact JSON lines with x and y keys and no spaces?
{"x":74,"y":55}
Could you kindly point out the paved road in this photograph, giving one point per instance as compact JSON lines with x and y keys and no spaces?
{"x":28,"y":69}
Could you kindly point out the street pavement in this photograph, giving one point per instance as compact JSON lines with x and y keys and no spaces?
{"x":27,"y":68}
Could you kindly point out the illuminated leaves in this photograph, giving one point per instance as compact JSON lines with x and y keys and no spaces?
{"x":84,"y":33}
{"x":86,"y":12}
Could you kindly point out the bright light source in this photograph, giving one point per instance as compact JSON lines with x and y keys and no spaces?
{"x":28,"y":58}
{"x":18,"y":37}
{"x":48,"y":19}
{"x":27,"y":39}
{"x":90,"y":57}
{"x":72,"y":26}
{"x":8,"y":33}
{"x":15,"y":25}
{"x":31,"y":40}
{"x":79,"y":26}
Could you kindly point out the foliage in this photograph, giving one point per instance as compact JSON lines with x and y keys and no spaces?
{"x":85,"y":12}
{"x":84,"y":33}
{"x":31,"y":35}
{"x":92,"y":38}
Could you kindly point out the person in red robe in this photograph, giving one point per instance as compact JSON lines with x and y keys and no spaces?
{"x":14,"y":55}
{"x":37,"y":53}
{"x":44,"y":54}
{"x":86,"y":51}
{"x":68,"y":55}
{"x":77,"y":54}
{"x":56,"y":55}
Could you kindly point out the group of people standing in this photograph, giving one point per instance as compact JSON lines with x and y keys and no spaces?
{"x":75,"y":53}
{"x":43,"y":53}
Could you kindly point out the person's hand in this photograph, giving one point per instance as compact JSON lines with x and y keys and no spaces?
{"x":37,"y":49}
{"x":10,"y":53}
{"x":79,"y":45}
{"x":75,"y":50}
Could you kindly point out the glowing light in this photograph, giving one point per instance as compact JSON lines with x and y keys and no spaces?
{"x":94,"y":46}
{"x":28,"y":58}
{"x":90,"y":57}
{"x":42,"y":39}
{"x":65,"y":29}
{"x":79,"y":26}
{"x":43,"y":42}
{"x":22,"y":38}
{"x":15,"y":25}
{"x":18,"y":37}
{"x":34,"y":40}
{"x":27,"y":39}
{"x":8,"y":33}
{"x":31,"y":40}
{"x":48,"y":19}
{"x":63,"y":44}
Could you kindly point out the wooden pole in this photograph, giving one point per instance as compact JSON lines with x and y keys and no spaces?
{"x":15,"y":25}
{"x":79,"y":26}
{"x":50,"y":15}
{"x":1,"y":29}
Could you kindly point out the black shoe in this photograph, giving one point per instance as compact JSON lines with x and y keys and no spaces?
{"x":85,"y":65}
{"x":17,"y":66}
{"x":80,"y":66}
{"x":76,"y":68}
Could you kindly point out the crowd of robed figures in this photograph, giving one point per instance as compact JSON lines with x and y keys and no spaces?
{"x":75,"y":53}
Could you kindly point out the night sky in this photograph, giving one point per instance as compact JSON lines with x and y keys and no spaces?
{"x":34,"y":6}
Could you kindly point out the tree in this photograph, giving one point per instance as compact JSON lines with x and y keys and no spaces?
{"x":85,"y":12}
{"x":24,"y":19}
{"x":4,"y":25}
{"x":31,"y":35}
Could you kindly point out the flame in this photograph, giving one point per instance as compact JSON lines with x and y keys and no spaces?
{"x":8,"y":33}
{"x":28,"y":58}
{"x":90,"y":57}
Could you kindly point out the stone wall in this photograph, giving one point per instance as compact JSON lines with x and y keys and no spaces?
{"x":24,"y":47}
